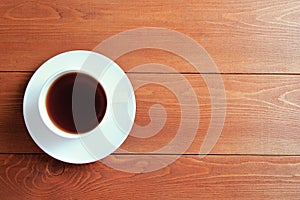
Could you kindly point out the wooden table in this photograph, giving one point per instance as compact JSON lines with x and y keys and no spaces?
{"x":256,"y":46}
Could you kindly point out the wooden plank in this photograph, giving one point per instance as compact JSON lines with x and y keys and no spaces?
{"x":213,"y":177}
{"x":262,"y":114}
{"x":13,"y":131}
{"x":241,"y":36}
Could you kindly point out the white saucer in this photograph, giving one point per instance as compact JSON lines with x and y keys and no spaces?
{"x":114,"y":127}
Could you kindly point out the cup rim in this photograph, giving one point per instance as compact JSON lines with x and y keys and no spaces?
{"x":43,"y":108}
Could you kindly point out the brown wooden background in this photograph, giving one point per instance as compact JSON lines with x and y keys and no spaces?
{"x":256,"y":45}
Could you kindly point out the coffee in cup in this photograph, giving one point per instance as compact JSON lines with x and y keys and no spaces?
{"x":75,"y":103}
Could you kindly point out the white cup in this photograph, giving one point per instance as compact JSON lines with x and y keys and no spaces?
{"x":42,"y":105}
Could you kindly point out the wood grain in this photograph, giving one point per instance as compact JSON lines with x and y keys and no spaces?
{"x":248,"y":36}
{"x":262,"y":113}
{"x":213,"y":177}
{"x":256,"y":46}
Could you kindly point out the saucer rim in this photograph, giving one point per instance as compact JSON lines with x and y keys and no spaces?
{"x":35,"y":83}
